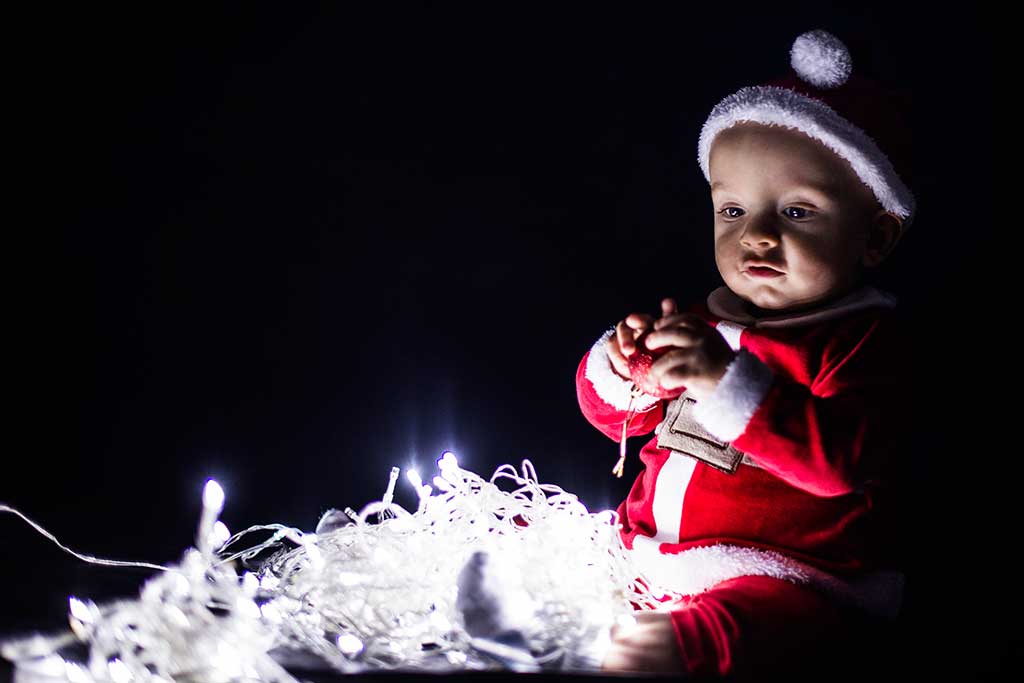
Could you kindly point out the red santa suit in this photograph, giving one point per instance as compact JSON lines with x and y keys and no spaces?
{"x":784,"y":476}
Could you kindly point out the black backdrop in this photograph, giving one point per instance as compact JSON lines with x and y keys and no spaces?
{"x":290,"y":249}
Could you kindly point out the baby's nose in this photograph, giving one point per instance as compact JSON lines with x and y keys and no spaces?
{"x":759,"y":233}
{"x":761,"y":241}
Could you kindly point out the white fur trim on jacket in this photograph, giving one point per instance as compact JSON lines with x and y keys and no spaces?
{"x":727,"y":410}
{"x":613,"y":389}
{"x":774,"y":105}
{"x":695,"y":570}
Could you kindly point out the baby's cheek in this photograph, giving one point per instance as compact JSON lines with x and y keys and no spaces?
{"x":823,"y":256}
{"x":815,"y":273}
{"x":727,"y":252}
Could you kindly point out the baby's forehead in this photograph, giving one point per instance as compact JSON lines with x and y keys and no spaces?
{"x":790,"y":154}
{"x":753,"y":136}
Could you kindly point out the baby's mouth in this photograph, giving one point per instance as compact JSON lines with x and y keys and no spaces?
{"x":762,"y":271}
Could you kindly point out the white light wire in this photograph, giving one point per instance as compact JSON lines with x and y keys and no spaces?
{"x":361,"y":596}
{"x":85,"y":558}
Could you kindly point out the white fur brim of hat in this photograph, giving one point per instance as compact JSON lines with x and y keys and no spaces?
{"x":773,"y":105}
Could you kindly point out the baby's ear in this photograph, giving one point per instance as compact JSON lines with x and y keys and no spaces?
{"x":883,"y":233}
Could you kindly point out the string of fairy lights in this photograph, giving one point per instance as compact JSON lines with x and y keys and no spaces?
{"x":366,"y":591}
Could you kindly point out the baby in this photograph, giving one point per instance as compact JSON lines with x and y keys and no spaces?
{"x":769,"y":493}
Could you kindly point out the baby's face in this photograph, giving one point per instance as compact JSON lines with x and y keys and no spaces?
{"x":784,"y":200}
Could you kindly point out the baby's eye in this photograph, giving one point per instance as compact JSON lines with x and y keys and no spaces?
{"x":805,"y":213}
{"x":730,"y":208}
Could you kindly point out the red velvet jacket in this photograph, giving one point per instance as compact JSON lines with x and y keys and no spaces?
{"x":819,"y":401}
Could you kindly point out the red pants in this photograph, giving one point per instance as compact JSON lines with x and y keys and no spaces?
{"x":754,"y":627}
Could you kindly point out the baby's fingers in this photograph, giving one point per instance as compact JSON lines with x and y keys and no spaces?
{"x":631,"y":328}
{"x":681,"y":337}
{"x":668,"y":307}
{"x":625,"y":336}
{"x":615,"y":355}
{"x":672,"y":370}
{"x":677,"y":319}
{"x":639,"y":321}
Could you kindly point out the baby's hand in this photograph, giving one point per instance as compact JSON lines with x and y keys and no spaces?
{"x":699,"y":359}
{"x":623,"y":343}
{"x":648,"y":647}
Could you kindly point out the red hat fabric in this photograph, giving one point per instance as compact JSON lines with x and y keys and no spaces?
{"x":862,"y":121}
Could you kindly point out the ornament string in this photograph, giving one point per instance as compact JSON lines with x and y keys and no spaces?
{"x":634,"y":394}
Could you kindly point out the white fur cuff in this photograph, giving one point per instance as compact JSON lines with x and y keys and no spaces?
{"x":726,"y":412}
{"x":699,"y":568}
{"x":613,"y":389}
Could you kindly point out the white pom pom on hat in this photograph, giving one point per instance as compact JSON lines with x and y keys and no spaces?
{"x":821,"y":59}
{"x":853,"y":116}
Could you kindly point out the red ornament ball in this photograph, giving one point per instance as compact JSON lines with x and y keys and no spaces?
{"x":640,"y":362}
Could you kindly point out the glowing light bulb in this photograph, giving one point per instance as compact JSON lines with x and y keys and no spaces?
{"x":349,"y":579}
{"x":447,"y":460}
{"x":271,"y":613}
{"x":81,"y":611}
{"x":119,"y":671}
{"x":227,"y":662}
{"x":423,"y":491}
{"x":220,"y":534}
{"x":449,"y":466}
{"x":439,"y":622}
{"x":389,"y":495}
{"x":176,"y":616}
{"x":316,"y":558}
{"x":213,"y":496}
{"x":248,"y":608}
{"x":75,"y":673}
{"x":50,"y":665}
{"x":349,"y":644}
{"x":181,"y":586}
{"x":250,"y":584}
{"x":353,"y":515}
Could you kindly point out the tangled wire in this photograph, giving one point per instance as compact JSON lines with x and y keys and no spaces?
{"x":368,"y":590}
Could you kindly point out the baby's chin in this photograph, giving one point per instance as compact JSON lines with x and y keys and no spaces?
{"x":761,"y":311}
{"x":765,"y":299}
{"x":775,"y":303}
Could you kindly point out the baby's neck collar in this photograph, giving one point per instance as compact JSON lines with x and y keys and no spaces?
{"x":726,"y":304}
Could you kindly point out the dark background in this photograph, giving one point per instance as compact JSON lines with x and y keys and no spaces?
{"x":290,"y":249}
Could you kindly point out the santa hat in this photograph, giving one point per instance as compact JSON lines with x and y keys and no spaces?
{"x":862,"y":121}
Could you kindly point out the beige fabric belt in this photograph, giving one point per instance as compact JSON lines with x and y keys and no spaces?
{"x":681,"y":432}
